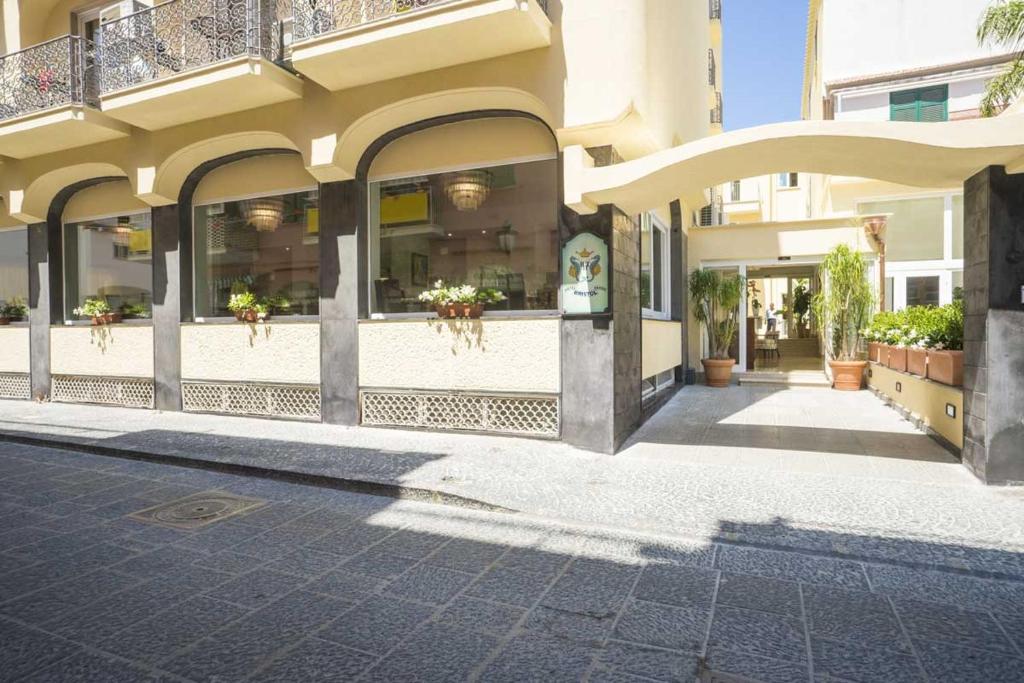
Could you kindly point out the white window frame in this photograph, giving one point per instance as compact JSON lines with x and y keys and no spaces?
{"x":782,"y":180}
{"x":195,"y":244}
{"x":650,"y":218}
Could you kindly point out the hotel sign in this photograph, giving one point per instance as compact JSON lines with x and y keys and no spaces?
{"x":585,"y":275}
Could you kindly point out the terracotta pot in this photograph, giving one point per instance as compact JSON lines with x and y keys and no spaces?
{"x":917,"y":362}
{"x":250,"y":315}
{"x":946,"y":367}
{"x":874,"y":348}
{"x":883,"y":354}
{"x":847,"y":375}
{"x":456,"y":310}
{"x":898,"y":359}
{"x":717,"y":371}
{"x":5,"y":321}
{"x":106,"y":319}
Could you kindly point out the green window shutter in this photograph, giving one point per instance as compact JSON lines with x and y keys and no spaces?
{"x":927,"y":104}
{"x":934,"y":104}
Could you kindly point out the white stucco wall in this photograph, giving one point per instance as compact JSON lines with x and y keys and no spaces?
{"x":964,"y":95}
{"x":105,"y":350}
{"x":265,"y":352}
{"x":14,"y":349}
{"x":466,"y":355}
{"x":865,"y":37}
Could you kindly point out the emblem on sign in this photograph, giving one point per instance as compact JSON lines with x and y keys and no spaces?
{"x":585,"y":271}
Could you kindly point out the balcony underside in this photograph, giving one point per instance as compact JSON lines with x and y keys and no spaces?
{"x":421,"y":41}
{"x":57,"y":129}
{"x":223,"y":88}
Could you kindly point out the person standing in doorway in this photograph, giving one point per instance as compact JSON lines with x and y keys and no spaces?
{"x":770,"y":317}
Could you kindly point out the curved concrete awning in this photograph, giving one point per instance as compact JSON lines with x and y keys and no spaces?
{"x":916,"y":154}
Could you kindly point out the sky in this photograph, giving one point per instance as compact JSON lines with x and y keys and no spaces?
{"x":763,"y":53}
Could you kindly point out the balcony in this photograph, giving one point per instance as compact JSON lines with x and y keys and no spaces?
{"x":345,"y":43}
{"x":186,"y":60}
{"x":48,"y":98}
{"x":716,"y":110}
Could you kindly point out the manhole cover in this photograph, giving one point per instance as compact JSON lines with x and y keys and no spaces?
{"x":196,"y":510}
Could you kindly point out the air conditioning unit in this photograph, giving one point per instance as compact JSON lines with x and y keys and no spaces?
{"x":121,"y":9}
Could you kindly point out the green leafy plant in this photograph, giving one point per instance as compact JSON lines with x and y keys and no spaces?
{"x":843,"y":306}
{"x":443,"y":294}
{"x":15,"y":309}
{"x":135,"y":311}
{"x":716,"y":299}
{"x":1002,"y":24}
{"x":801,"y":302}
{"x":927,"y":327}
{"x":92,"y":308}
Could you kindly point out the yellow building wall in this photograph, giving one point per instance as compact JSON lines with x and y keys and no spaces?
{"x":102,"y":350}
{"x":14,"y":349}
{"x":106,"y":199}
{"x":926,"y":400}
{"x":463,"y":355}
{"x":257,"y":175}
{"x":662,"y":346}
{"x":287,"y":352}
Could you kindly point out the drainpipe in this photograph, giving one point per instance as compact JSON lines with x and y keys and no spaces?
{"x":874,"y":226}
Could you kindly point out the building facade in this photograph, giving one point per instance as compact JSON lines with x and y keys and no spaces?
{"x":334,"y":159}
{"x":891,"y":61}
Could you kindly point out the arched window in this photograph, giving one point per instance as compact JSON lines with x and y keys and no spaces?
{"x":475,"y":203}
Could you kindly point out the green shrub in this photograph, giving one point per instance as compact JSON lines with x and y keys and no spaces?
{"x":930,"y":327}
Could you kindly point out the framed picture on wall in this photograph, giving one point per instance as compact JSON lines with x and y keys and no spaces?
{"x":419,"y":268}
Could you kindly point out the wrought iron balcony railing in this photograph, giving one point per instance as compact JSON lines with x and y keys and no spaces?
{"x":712,"y":67}
{"x":182,"y":35}
{"x":716,"y":111}
{"x":715,"y":9}
{"x":52,"y":74}
{"x":317,"y":17}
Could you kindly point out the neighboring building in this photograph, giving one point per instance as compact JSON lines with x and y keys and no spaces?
{"x":343,"y":155}
{"x":885,"y":61}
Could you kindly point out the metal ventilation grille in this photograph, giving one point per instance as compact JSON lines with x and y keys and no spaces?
{"x":298,"y":402}
{"x":15,"y":385}
{"x":117,"y":391}
{"x":528,"y":415}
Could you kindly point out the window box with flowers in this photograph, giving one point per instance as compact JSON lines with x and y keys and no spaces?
{"x":98,"y":311}
{"x":13,"y":311}
{"x":460,"y":301}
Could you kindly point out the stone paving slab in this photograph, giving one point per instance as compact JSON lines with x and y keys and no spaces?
{"x":838,"y":474}
{"x":421,"y":592}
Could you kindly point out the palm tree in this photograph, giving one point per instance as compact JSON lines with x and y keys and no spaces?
{"x":1003,"y":24}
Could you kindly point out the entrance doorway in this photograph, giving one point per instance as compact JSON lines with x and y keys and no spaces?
{"x":782,"y":334}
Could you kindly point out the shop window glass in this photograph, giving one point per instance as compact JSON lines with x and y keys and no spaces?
{"x":653,"y":265}
{"x":923,"y":291}
{"x":958,"y":226}
{"x":109,"y":259}
{"x":488,"y":227}
{"x":13,"y":266}
{"x":915,"y":230}
{"x":269,"y":246}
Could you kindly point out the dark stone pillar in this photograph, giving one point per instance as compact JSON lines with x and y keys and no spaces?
{"x":994,"y":325}
{"x":680,"y":286}
{"x":171,"y":287}
{"x":45,"y":300}
{"x":601,"y":392}
{"x":343,"y":297}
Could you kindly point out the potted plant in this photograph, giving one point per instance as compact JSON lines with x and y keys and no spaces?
{"x":842,"y":308}
{"x":98,"y":311}
{"x":247,"y":308}
{"x":13,"y":311}
{"x":716,"y":299}
{"x":945,"y":355}
{"x":801,"y":305}
{"x":460,"y":301}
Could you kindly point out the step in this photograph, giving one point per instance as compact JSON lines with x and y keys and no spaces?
{"x":797,"y":378}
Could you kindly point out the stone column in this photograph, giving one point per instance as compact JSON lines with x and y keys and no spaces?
{"x":45,"y":299}
{"x":601,"y":371}
{"x":172,"y":297}
{"x":343,"y":297}
{"x":994,"y":325}
{"x":680,"y":284}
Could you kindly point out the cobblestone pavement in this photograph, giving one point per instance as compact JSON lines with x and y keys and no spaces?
{"x":807,"y":469}
{"x":326,"y":585}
